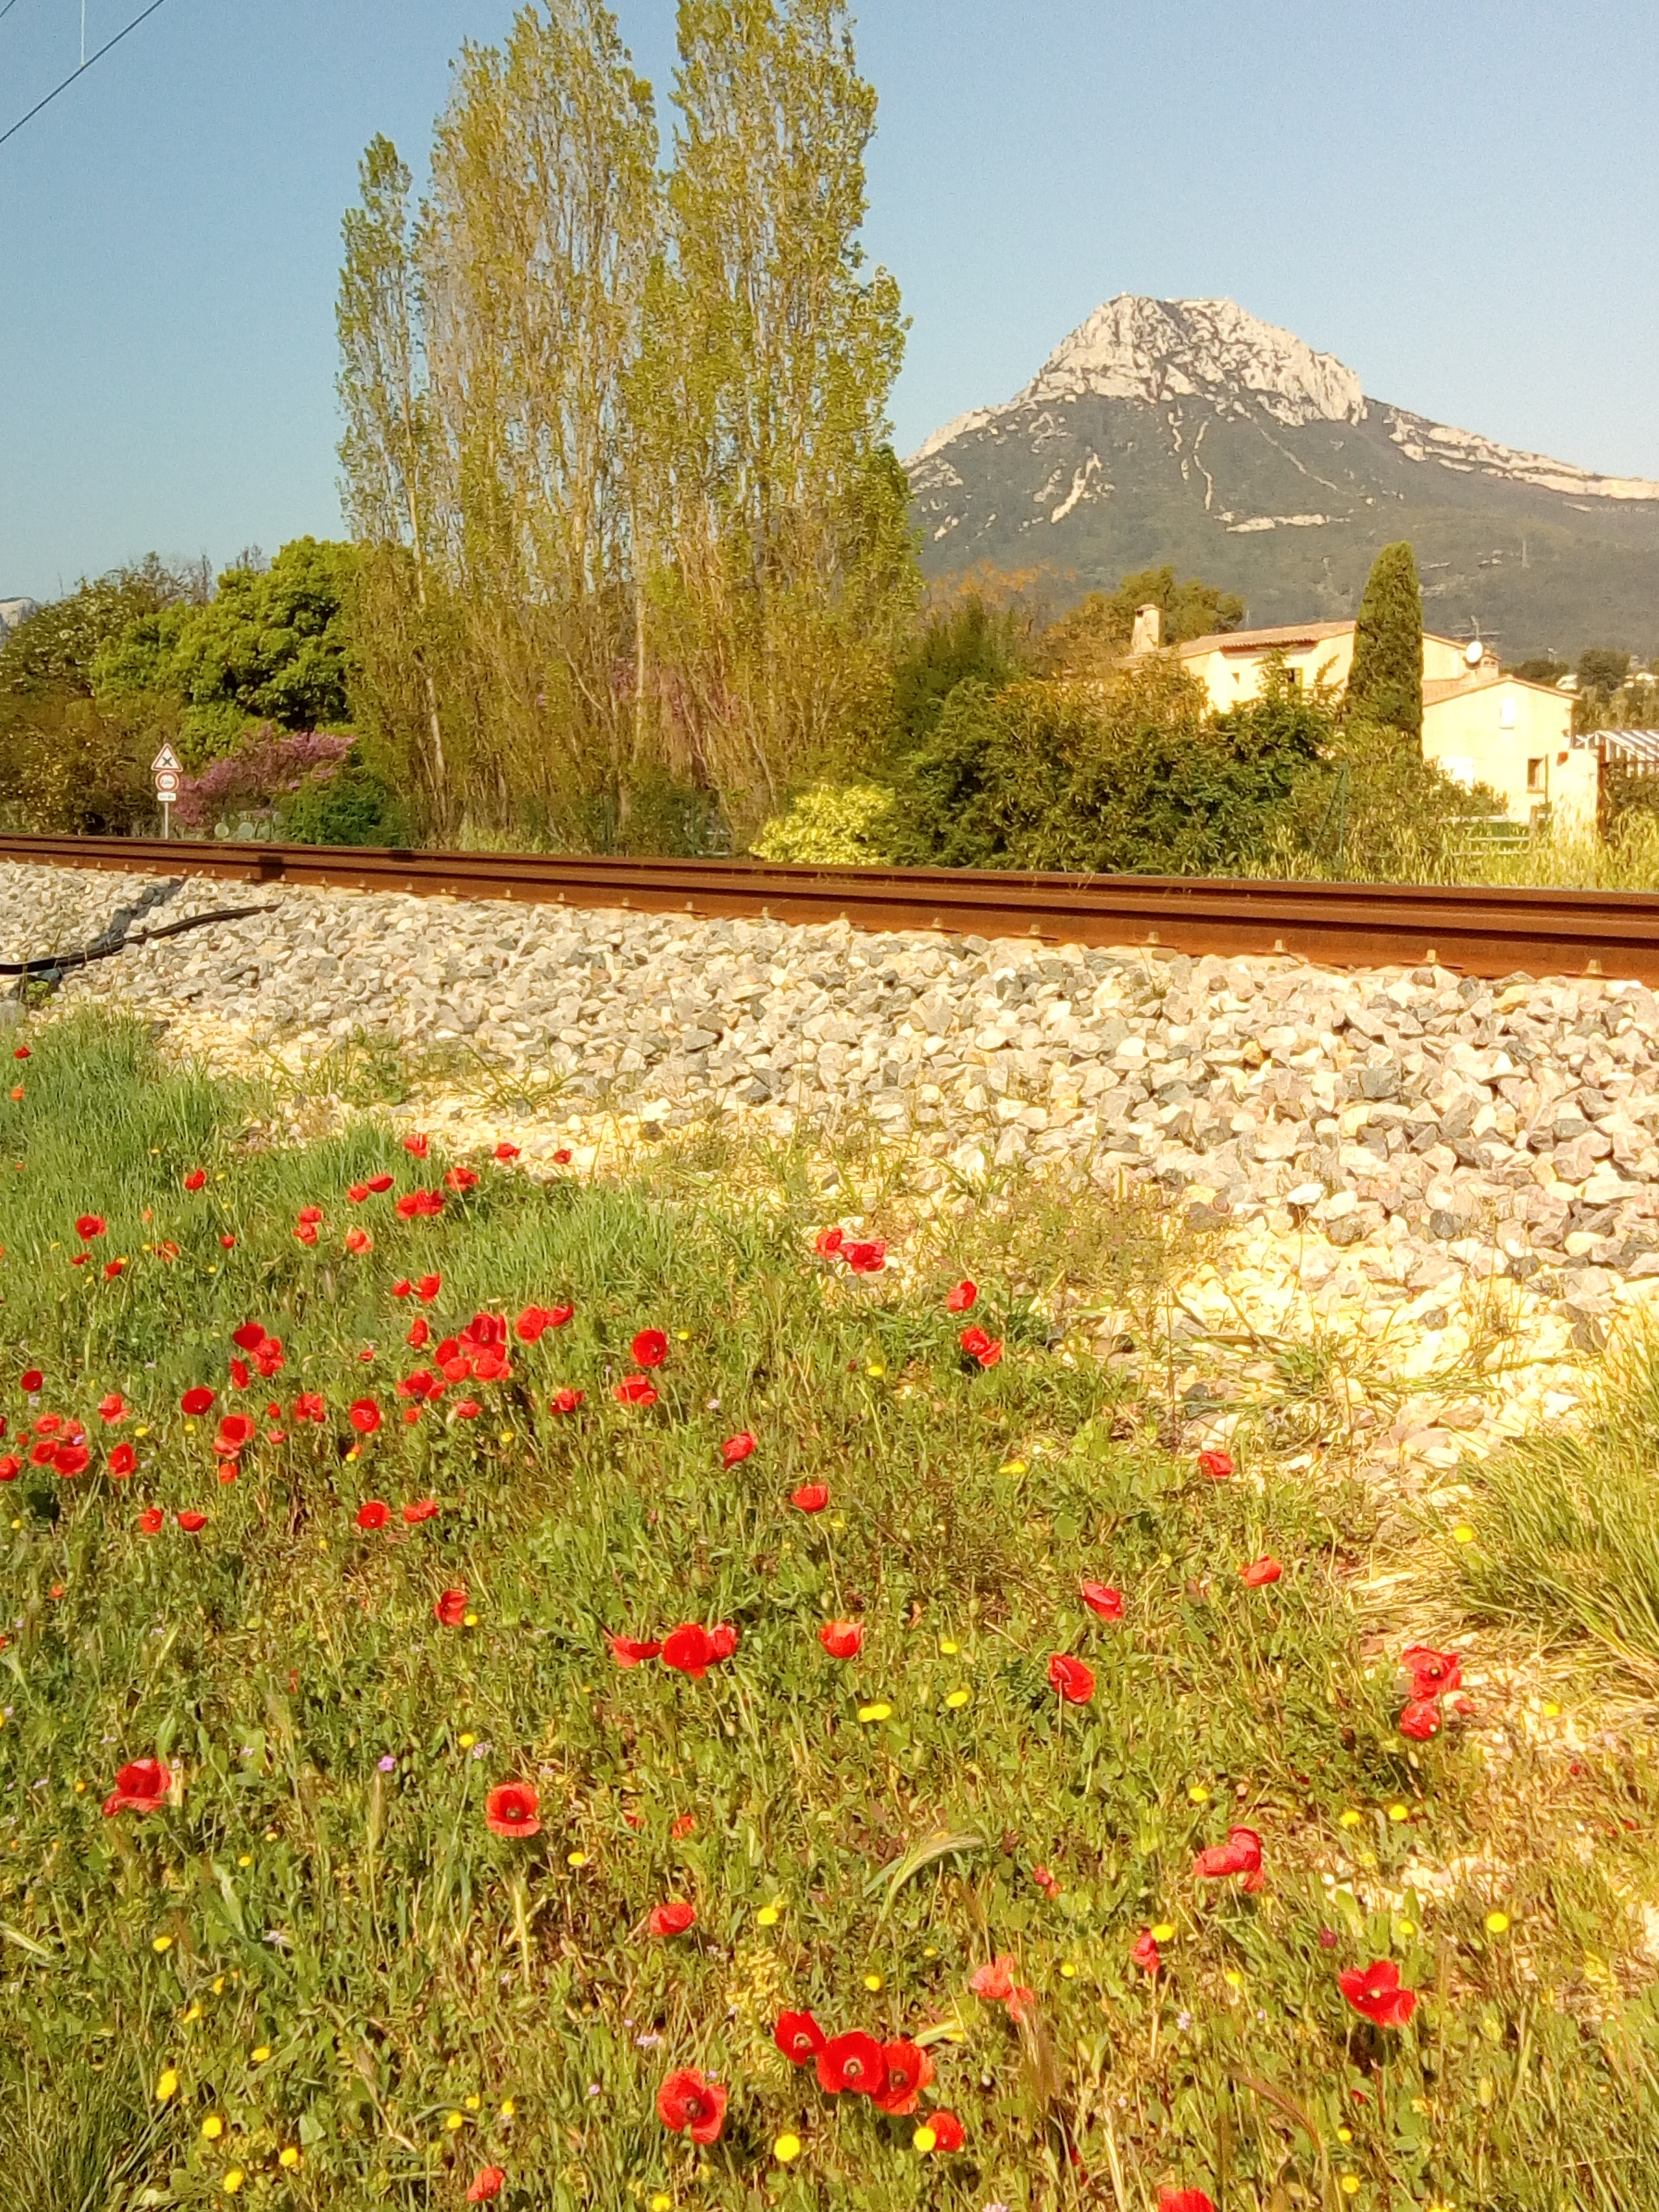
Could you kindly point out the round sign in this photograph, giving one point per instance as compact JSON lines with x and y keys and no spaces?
{"x":165,"y":782}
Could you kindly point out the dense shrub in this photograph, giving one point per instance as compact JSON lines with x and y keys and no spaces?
{"x":1128,"y":776}
{"x":831,"y":826}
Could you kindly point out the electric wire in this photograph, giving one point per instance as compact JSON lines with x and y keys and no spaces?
{"x":142,"y":16}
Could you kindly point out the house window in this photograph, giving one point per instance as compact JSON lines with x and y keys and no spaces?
{"x":1535,"y":775}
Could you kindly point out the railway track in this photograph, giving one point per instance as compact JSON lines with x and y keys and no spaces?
{"x":1480,"y":932}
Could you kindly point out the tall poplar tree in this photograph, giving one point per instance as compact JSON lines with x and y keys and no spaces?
{"x":781,"y":561}
{"x":1386,"y":682}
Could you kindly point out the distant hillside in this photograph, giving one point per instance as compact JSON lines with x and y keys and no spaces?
{"x":1187,"y":431}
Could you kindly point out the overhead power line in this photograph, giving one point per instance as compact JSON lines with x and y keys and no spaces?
{"x":7,"y":9}
{"x":142,"y":16}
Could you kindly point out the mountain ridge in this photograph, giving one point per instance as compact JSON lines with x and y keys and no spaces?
{"x":1162,"y":430}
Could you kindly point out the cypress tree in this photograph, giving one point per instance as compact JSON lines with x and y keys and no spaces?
{"x":1386,"y":682}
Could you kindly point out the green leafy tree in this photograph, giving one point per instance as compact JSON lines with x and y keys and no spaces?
{"x":782,"y":568}
{"x":1096,"y":632}
{"x":269,"y":646}
{"x":1603,"y":670}
{"x":1543,"y":669}
{"x":1386,"y":682}
{"x":968,"y":641}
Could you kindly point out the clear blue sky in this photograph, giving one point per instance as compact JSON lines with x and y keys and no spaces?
{"x":1461,"y":201}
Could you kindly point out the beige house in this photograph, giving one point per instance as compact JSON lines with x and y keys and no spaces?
{"x":1480,"y":725}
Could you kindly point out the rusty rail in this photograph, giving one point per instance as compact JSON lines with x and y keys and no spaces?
{"x":1479,"y":931}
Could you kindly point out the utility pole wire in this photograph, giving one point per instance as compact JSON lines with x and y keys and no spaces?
{"x":7,"y":9}
{"x":140,"y":18}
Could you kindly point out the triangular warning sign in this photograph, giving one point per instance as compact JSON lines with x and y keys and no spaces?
{"x":165,"y":759}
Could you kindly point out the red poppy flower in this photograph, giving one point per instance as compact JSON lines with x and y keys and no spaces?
{"x":373,"y":1513}
{"x":40,"y":1455}
{"x":531,"y":1323}
{"x":196,"y":1400}
{"x":1432,"y":1672}
{"x":1074,"y":1682}
{"x":309,"y":1406}
{"x":140,"y":1788}
{"x":636,"y":1390}
{"x":357,"y":1192}
{"x":909,"y":2070}
{"x":364,"y":1416}
{"x":460,"y":1179}
{"x":249,"y":1336}
{"x":854,"y":2062}
{"x":690,"y":2105}
{"x":1240,"y":1854}
{"x":949,"y":2134}
{"x":402,"y":1288}
{"x":672,"y":1919}
{"x":510,"y":1809}
{"x":1145,"y":1951}
{"x":151,"y":1521}
{"x":1102,"y":1598}
{"x":960,"y":1300}
{"x":1183,"y":2200}
{"x":1420,"y":1719}
{"x":812,"y":1497}
{"x":379,"y":1184}
{"x":799,"y":2036}
{"x":565,"y":1401}
{"x":416,"y":1146}
{"x":228,"y":1242}
{"x":1376,"y":1991}
{"x":236,"y":1430}
{"x":632,"y":1650}
{"x":868,"y":1258}
{"x":113,"y":1269}
{"x":504,"y":1153}
{"x":10,"y":1467}
{"x":69,"y":1460}
{"x":240,"y":1374}
{"x":737,"y":1448}
{"x":122,"y":1461}
{"x":168,"y":1250}
{"x":23,"y":1053}
{"x":843,"y":1639}
{"x":419,"y":1385}
{"x":683,"y":1825}
{"x":692,"y":1650}
{"x":1260,"y":1572}
{"x":428,"y":1288}
{"x":420,"y":1332}
{"x":562,"y":1158}
{"x":1217,"y":1465}
{"x":996,"y":1981}
{"x":310,"y":1215}
{"x":449,"y":1609}
{"x":828,"y":1243}
{"x":191,"y":1521}
{"x":1045,"y":1882}
{"x":90,"y":1226}
{"x":487,"y":2183}
{"x":420,"y":1205}
{"x":466,"y":1409}
{"x":425,"y":1509}
{"x":30,"y":1381}
{"x":649,"y":1348}
{"x":359,"y":1241}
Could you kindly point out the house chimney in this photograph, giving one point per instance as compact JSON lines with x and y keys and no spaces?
{"x":1148,"y":633}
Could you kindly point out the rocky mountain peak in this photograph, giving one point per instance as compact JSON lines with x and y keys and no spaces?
{"x":1156,"y":351}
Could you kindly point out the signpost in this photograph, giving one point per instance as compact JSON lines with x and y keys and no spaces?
{"x":167,"y":768}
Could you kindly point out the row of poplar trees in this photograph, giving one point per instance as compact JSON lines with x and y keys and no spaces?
{"x":617,"y":443}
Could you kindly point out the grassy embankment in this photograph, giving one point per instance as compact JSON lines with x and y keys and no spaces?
{"x":315,"y":1976}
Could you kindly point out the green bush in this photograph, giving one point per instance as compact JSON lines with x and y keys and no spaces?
{"x":352,"y":806}
{"x":1125,"y":776}
{"x":830,"y":826}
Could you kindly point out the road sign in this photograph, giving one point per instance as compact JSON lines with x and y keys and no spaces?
{"x":167,"y":763}
{"x":166,"y":783}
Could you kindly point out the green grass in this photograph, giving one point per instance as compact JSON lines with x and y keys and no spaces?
{"x":362,"y":1927}
{"x":1567,"y":1543}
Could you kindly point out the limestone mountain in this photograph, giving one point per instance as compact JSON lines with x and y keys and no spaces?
{"x":1187,"y":431}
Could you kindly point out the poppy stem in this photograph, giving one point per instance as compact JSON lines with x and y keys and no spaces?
{"x":521,"y":1922}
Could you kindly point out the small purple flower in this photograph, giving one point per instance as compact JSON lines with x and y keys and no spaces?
{"x":388,"y":1764}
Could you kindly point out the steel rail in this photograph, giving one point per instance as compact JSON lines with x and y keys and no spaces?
{"x":1478,"y":931}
